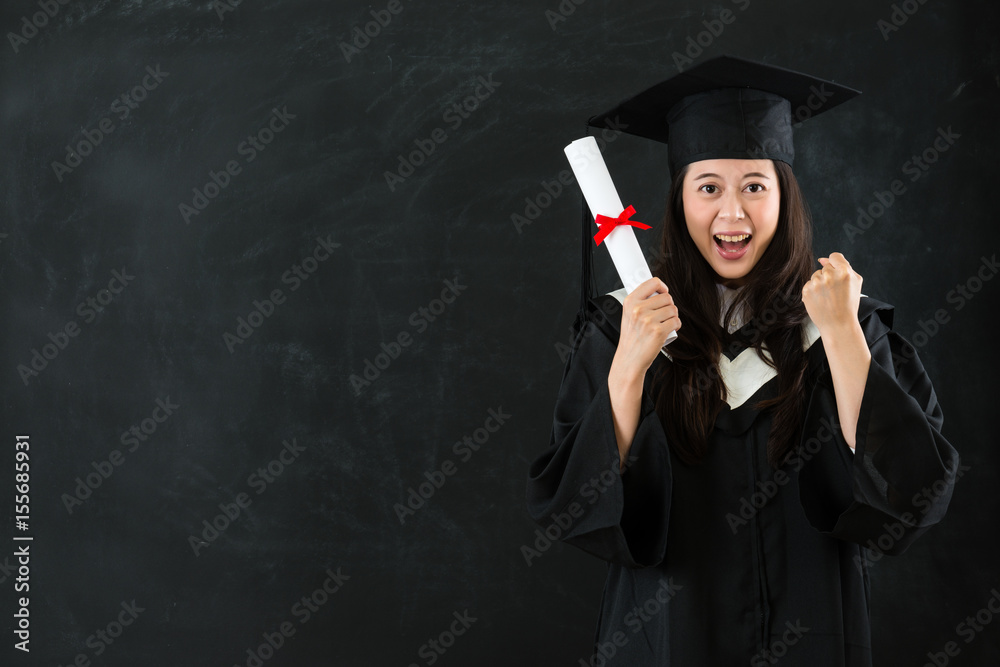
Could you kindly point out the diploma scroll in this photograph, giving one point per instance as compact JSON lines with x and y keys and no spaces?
{"x":599,"y":190}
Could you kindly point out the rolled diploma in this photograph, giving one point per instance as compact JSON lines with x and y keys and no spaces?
{"x":599,"y":190}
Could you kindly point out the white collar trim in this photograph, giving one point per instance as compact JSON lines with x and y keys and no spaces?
{"x":747,"y":373}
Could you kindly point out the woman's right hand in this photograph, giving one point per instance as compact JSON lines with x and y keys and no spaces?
{"x":647,"y":320}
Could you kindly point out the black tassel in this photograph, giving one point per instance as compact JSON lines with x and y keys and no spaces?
{"x":587,"y":268}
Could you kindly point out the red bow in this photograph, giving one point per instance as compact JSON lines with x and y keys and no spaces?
{"x":608,"y":224}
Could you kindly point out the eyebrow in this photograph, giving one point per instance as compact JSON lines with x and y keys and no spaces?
{"x":752,"y":173}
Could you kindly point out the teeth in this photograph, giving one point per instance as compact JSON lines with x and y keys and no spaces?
{"x":724,"y":237}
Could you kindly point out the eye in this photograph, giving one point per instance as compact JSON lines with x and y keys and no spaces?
{"x":760,"y":188}
{"x":708,"y":192}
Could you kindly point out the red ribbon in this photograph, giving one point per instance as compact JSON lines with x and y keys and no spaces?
{"x":608,"y":224}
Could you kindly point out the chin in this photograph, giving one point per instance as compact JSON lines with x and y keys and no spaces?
{"x":728,"y":271}
{"x":731,"y":276}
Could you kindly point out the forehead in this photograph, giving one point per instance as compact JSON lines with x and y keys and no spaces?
{"x":729,"y":169}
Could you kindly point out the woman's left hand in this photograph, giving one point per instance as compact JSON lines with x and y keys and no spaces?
{"x":833,"y":294}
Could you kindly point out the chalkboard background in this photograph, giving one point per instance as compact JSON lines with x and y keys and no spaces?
{"x":152,"y":410}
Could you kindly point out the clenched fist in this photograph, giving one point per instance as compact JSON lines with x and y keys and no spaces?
{"x":832,"y":295}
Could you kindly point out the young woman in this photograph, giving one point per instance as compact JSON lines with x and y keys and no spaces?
{"x":739,"y":481}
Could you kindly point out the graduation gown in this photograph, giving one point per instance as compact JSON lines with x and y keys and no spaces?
{"x":730,"y":561}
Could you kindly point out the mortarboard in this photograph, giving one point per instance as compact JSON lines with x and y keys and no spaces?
{"x":725,"y":107}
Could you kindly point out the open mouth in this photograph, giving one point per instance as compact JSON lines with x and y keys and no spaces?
{"x":732,"y":244}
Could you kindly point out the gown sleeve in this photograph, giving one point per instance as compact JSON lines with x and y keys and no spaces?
{"x":900,"y":479}
{"x":576,"y":484}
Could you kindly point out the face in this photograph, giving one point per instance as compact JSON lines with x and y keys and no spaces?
{"x":731,"y":199}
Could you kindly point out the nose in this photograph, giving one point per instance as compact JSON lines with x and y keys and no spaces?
{"x":730,"y":207}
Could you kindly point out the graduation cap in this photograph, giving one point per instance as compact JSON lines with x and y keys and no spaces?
{"x":725,"y":107}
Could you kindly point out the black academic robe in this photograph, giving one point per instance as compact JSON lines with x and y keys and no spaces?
{"x":731,"y":562}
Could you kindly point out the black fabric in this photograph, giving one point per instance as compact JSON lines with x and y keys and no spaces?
{"x":586,"y":254}
{"x":726,"y":107}
{"x":730,"y":123}
{"x":701,"y":571}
